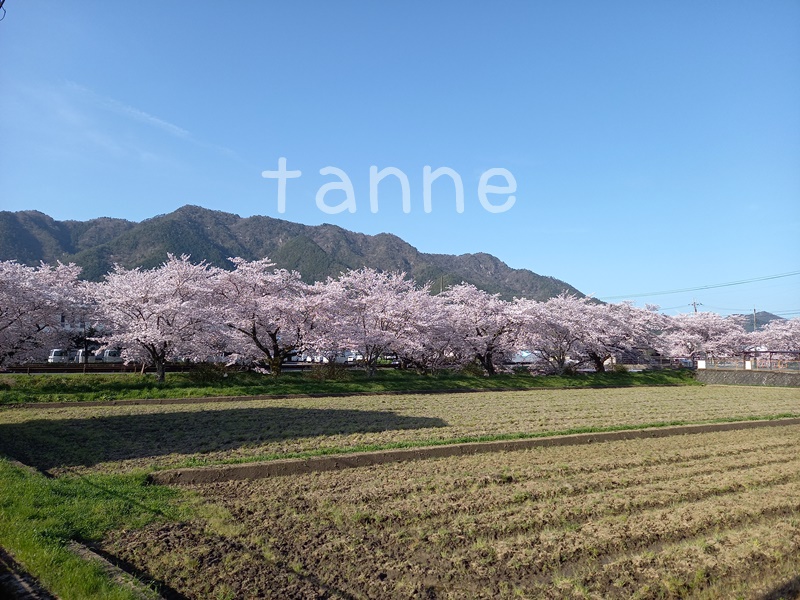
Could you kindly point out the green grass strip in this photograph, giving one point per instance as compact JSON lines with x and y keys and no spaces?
{"x":19,"y":388}
{"x":39,"y":516}
{"x":500,"y":437}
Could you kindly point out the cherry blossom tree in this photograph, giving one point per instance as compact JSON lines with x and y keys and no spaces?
{"x":780,"y":334}
{"x":554,"y":331}
{"x":603,"y":333}
{"x":484,"y":326}
{"x":608,"y":330}
{"x":703,"y":334}
{"x":371,"y":312}
{"x":429,"y":341}
{"x":262,"y":315}
{"x":157,"y":315}
{"x":268,"y":312}
{"x":33,"y":303}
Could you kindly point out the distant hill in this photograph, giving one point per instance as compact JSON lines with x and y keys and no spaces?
{"x":762,"y":318}
{"x":315,"y":251}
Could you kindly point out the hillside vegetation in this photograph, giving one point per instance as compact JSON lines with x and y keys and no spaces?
{"x":315,"y":251}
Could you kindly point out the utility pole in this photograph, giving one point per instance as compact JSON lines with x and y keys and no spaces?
{"x":695,"y":303}
{"x":754,"y":320}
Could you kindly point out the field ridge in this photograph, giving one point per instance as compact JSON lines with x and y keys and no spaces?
{"x":293,"y":466}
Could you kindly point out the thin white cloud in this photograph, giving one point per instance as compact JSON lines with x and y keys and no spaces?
{"x":131,"y":112}
{"x":74,"y":121}
{"x":146,"y":118}
{"x":125,"y":110}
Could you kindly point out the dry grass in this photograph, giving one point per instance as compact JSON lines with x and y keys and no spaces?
{"x":706,"y":515}
{"x":702,"y":516}
{"x":121,"y":438}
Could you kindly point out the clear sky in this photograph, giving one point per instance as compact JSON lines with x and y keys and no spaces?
{"x":655,"y":146}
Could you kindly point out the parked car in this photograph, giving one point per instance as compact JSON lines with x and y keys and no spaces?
{"x":85,"y":356}
{"x":111,"y":355}
{"x":58,"y":355}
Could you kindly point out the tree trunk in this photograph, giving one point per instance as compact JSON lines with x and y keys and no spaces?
{"x":599,"y":362}
{"x":372,"y":367}
{"x":275,"y":365}
{"x":486,"y":363}
{"x":160,"y":370}
{"x":158,"y":356}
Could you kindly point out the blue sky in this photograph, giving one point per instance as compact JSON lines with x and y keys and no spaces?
{"x":655,"y":146}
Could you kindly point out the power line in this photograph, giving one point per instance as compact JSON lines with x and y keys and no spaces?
{"x":740,"y":310}
{"x":702,"y":287}
{"x":748,"y":310}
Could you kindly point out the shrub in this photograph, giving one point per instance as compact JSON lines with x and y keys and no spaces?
{"x":473,"y":369}
{"x":207,"y":373}
{"x":330,"y":371}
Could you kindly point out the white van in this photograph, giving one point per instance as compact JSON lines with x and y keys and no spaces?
{"x":112,"y":355}
{"x":58,"y":355}
{"x":84,"y":356}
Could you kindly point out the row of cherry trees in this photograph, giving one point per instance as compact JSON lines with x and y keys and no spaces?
{"x":258,"y":315}
{"x":32,"y":302}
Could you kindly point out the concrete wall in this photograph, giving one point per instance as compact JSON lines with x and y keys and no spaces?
{"x":742,"y":377}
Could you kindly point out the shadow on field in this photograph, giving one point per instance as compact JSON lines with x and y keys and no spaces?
{"x":46,"y":444}
{"x":788,"y":591}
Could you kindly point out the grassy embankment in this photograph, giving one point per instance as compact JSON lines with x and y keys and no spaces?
{"x":16,"y":388}
{"x":40,"y":516}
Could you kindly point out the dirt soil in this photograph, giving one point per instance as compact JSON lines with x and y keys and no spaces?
{"x":285,"y":468}
{"x":712,"y":515}
{"x":81,"y":439}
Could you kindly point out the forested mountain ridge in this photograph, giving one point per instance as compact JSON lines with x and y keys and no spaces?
{"x":316,"y":251}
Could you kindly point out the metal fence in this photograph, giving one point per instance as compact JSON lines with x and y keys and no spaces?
{"x":756,"y":361}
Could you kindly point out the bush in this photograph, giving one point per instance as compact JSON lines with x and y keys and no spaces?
{"x":207,"y":373}
{"x":329,"y":371}
{"x":473,"y":369}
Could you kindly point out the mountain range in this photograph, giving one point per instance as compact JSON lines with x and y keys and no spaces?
{"x":316,"y":251}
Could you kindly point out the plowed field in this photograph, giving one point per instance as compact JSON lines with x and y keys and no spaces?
{"x":713,"y":515}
